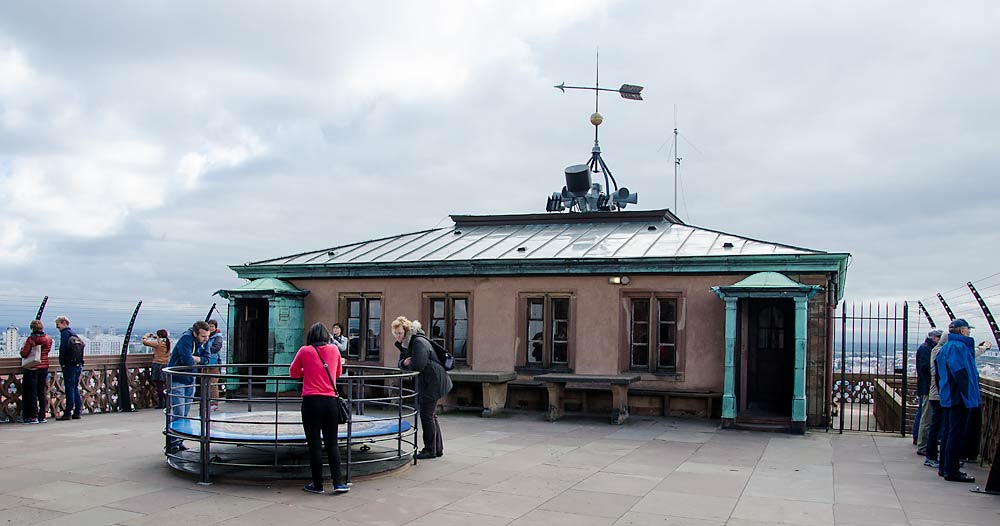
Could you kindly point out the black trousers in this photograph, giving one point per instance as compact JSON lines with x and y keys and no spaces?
{"x":320,"y":416}
{"x":431,"y":430}
{"x":35,"y":386}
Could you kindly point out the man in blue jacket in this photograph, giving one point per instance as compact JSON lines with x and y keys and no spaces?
{"x":187,"y":351}
{"x":958,"y":383}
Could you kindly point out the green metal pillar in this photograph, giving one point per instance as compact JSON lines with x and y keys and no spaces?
{"x":231,"y":383}
{"x":728,"y":396}
{"x":286,"y":317}
{"x":799,"y":385}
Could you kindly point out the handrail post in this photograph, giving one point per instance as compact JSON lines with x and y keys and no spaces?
{"x":205,"y":416}
{"x":906,"y":372}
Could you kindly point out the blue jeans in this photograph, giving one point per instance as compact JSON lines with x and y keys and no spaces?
{"x":71,"y":380}
{"x":180,"y":405}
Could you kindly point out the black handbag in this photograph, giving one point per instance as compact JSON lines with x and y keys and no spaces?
{"x":343,"y":408}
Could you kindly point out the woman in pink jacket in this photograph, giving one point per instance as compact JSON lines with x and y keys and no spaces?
{"x":318,"y":365}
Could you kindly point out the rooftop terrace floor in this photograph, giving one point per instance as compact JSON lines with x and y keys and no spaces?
{"x":516,"y":470}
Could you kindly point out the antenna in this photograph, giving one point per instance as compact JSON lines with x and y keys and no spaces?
{"x":677,"y":159}
{"x":583,"y":195}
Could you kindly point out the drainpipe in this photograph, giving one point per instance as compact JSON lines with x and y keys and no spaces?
{"x":831,"y":311}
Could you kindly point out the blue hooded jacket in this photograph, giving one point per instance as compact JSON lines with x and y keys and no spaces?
{"x":958,"y":377}
{"x":185,"y":349}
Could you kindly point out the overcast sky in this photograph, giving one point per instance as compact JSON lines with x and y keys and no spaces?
{"x":145,"y":146}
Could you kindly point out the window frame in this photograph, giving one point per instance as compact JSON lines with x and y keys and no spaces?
{"x":653,"y":323}
{"x":449,"y":299}
{"x":524,"y":340}
{"x":363,"y":354}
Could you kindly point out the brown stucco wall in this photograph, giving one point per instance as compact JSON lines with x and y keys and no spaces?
{"x":598,"y":325}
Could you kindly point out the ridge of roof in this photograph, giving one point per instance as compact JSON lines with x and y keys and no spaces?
{"x":567,"y":218}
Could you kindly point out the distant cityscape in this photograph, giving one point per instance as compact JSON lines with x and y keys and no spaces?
{"x":864,"y":362}
{"x":98,"y":340}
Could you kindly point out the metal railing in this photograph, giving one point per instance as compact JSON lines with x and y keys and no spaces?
{"x":98,"y":385}
{"x":260,"y":429}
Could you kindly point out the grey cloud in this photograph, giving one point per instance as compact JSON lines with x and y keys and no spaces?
{"x":838,"y":127}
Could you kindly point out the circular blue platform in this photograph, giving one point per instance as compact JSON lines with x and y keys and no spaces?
{"x":282,"y":426}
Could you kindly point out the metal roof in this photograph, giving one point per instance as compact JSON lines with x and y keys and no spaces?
{"x":600,"y":236}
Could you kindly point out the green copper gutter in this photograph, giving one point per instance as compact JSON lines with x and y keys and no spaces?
{"x":798,"y":263}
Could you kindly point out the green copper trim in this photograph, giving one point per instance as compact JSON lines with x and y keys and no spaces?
{"x":728,"y":393}
{"x":799,"y":385}
{"x":799,"y":263}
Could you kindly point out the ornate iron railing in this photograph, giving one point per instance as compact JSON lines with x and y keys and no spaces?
{"x":989,"y":436}
{"x":98,"y":385}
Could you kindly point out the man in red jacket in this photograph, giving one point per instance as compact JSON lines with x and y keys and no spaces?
{"x":35,"y":378}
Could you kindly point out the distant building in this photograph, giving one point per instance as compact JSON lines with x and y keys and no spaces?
{"x":11,"y":342}
{"x":105,"y":344}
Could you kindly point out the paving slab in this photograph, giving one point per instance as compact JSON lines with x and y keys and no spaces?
{"x":516,"y":470}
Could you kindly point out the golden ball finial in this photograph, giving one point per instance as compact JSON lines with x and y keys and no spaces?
{"x":596,"y":119}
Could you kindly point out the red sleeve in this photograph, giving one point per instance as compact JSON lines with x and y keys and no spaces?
{"x":26,"y":348}
{"x":295,"y":370}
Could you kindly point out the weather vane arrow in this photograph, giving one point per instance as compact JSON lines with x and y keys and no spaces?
{"x":627,"y":91}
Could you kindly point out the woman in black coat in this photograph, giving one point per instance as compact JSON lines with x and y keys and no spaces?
{"x":416,"y":354}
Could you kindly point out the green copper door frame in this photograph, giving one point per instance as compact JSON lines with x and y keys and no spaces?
{"x":800,"y":294}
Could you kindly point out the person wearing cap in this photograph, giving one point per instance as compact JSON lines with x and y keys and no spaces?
{"x":922,"y":420}
{"x":958,"y":384}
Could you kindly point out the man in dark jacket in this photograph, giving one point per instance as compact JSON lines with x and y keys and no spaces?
{"x":72,"y":368}
{"x":922,"y":421}
{"x":186,"y":352}
{"x":958,"y":382}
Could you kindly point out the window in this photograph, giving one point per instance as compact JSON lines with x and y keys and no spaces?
{"x":364,"y":326}
{"x":449,"y":327}
{"x":653,"y":334}
{"x":547,"y":332}
{"x":771,"y":329}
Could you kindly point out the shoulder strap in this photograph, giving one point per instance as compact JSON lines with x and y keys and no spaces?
{"x":325,"y":368}
{"x":439,"y":353}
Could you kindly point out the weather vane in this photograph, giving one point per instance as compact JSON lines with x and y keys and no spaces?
{"x":579,"y":192}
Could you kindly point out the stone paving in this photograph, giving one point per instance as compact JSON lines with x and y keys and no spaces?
{"x":516,"y":470}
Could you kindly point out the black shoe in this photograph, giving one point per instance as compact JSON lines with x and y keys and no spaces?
{"x":64,"y":417}
{"x":76,"y":416}
{"x":440,"y":453}
{"x":961,"y":477}
{"x":425,"y":455}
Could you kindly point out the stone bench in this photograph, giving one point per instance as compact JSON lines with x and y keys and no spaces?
{"x":617,"y":383}
{"x":708,"y":396}
{"x":494,"y":387}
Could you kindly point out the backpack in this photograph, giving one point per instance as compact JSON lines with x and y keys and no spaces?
{"x":76,"y":346}
{"x":445,"y":358}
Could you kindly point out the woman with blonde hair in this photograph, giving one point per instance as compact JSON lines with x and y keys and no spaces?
{"x":417,"y":354}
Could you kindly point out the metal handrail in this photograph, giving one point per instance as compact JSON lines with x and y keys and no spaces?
{"x":400,"y":400}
